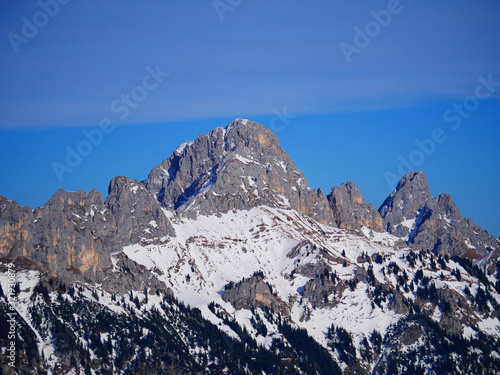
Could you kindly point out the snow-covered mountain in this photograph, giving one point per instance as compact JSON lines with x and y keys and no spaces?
{"x":225,"y":261}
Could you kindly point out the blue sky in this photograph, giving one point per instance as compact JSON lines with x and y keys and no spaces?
{"x":354,"y":120}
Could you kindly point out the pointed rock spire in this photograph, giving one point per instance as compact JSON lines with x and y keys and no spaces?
{"x":350,"y":210}
{"x":433,"y":224}
{"x":402,"y":207}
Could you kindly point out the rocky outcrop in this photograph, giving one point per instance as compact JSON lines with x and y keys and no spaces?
{"x":72,"y":235}
{"x":323,"y":291}
{"x":433,"y":224}
{"x":239,"y":167}
{"x":138,"y":216}
{"x":254,"y":292}
{"x":442,"y":229}
{"x":126,"y":275}
{"x":350,"y":210}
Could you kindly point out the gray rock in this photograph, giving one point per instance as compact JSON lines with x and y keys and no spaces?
{"x":433,"y":224}
{"x":72,"y":235}
{"x":442,"y":229}
{"x":398,"y":304}
{"x":239,"y":167}
{"x":404,"y":203}
{"x":14,"y":223}
{"x":126,"y":275}
{"x":255,"y":292}
{"x":323,"y":291}
{"x":138,"y":216}
{"x":350,"y":210}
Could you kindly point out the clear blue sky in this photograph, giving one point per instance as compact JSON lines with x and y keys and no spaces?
{"x":356,"y":117}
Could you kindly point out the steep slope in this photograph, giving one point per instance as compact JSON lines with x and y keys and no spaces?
{"x":400,"y":210}
{"x":433,"y":224}
{"x":279,"y":260}
{"x":239,"y":167}
{"x":75,"y":233}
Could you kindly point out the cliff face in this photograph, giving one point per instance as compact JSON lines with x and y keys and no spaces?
{"x":350,"y":210}
{"x":75,"y":233}
{"x":14,"y":224}
{"x":72,"y":235}
{"x":138,"y":215}
{"x":239,"y":167}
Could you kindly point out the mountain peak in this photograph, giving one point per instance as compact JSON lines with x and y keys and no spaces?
{"x":414,"y":180}
{"x":400,"y":210}
{"x":431,"y":223}
{"x":238,"y":167}
{"x":239,"y":122}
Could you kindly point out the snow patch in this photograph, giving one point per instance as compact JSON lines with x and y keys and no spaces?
{"x":181,"y":148}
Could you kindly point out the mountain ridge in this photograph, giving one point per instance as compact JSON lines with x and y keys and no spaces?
{"x":259,"y":269}
{"x":243,"y":166}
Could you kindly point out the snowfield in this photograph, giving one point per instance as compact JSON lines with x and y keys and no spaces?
{"x":211,"y":251}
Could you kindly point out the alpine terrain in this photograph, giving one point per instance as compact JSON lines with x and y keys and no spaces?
{"x":225,"y":261}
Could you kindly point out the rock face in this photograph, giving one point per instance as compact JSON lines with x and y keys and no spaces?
{"x":73,"y":234}
{"x":402,"y":207}
{"x":350,"y":210}
{"x":239,"y":167}
{"x":433,"y":223}
{"x":138,"y":216}
{"x":254,"y":292}
{"x":323,"y":291}
{"x":14,"y":224}
{"x":126,"y":275}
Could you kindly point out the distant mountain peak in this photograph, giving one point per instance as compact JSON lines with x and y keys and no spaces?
{"x":433,"y":224}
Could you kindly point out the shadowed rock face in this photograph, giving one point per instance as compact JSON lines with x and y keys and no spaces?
{"x":138,"y":216}
{"x":350,"y":210}
{"x":404,"y":203}
{"x":239,"y":167}
{"x":432,"y":223}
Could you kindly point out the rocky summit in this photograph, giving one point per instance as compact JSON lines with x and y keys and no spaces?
{"x":434,"y":224}
{"x":233,"y":168}
{"x":224,"y":260}
{"x":350,"y":210}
